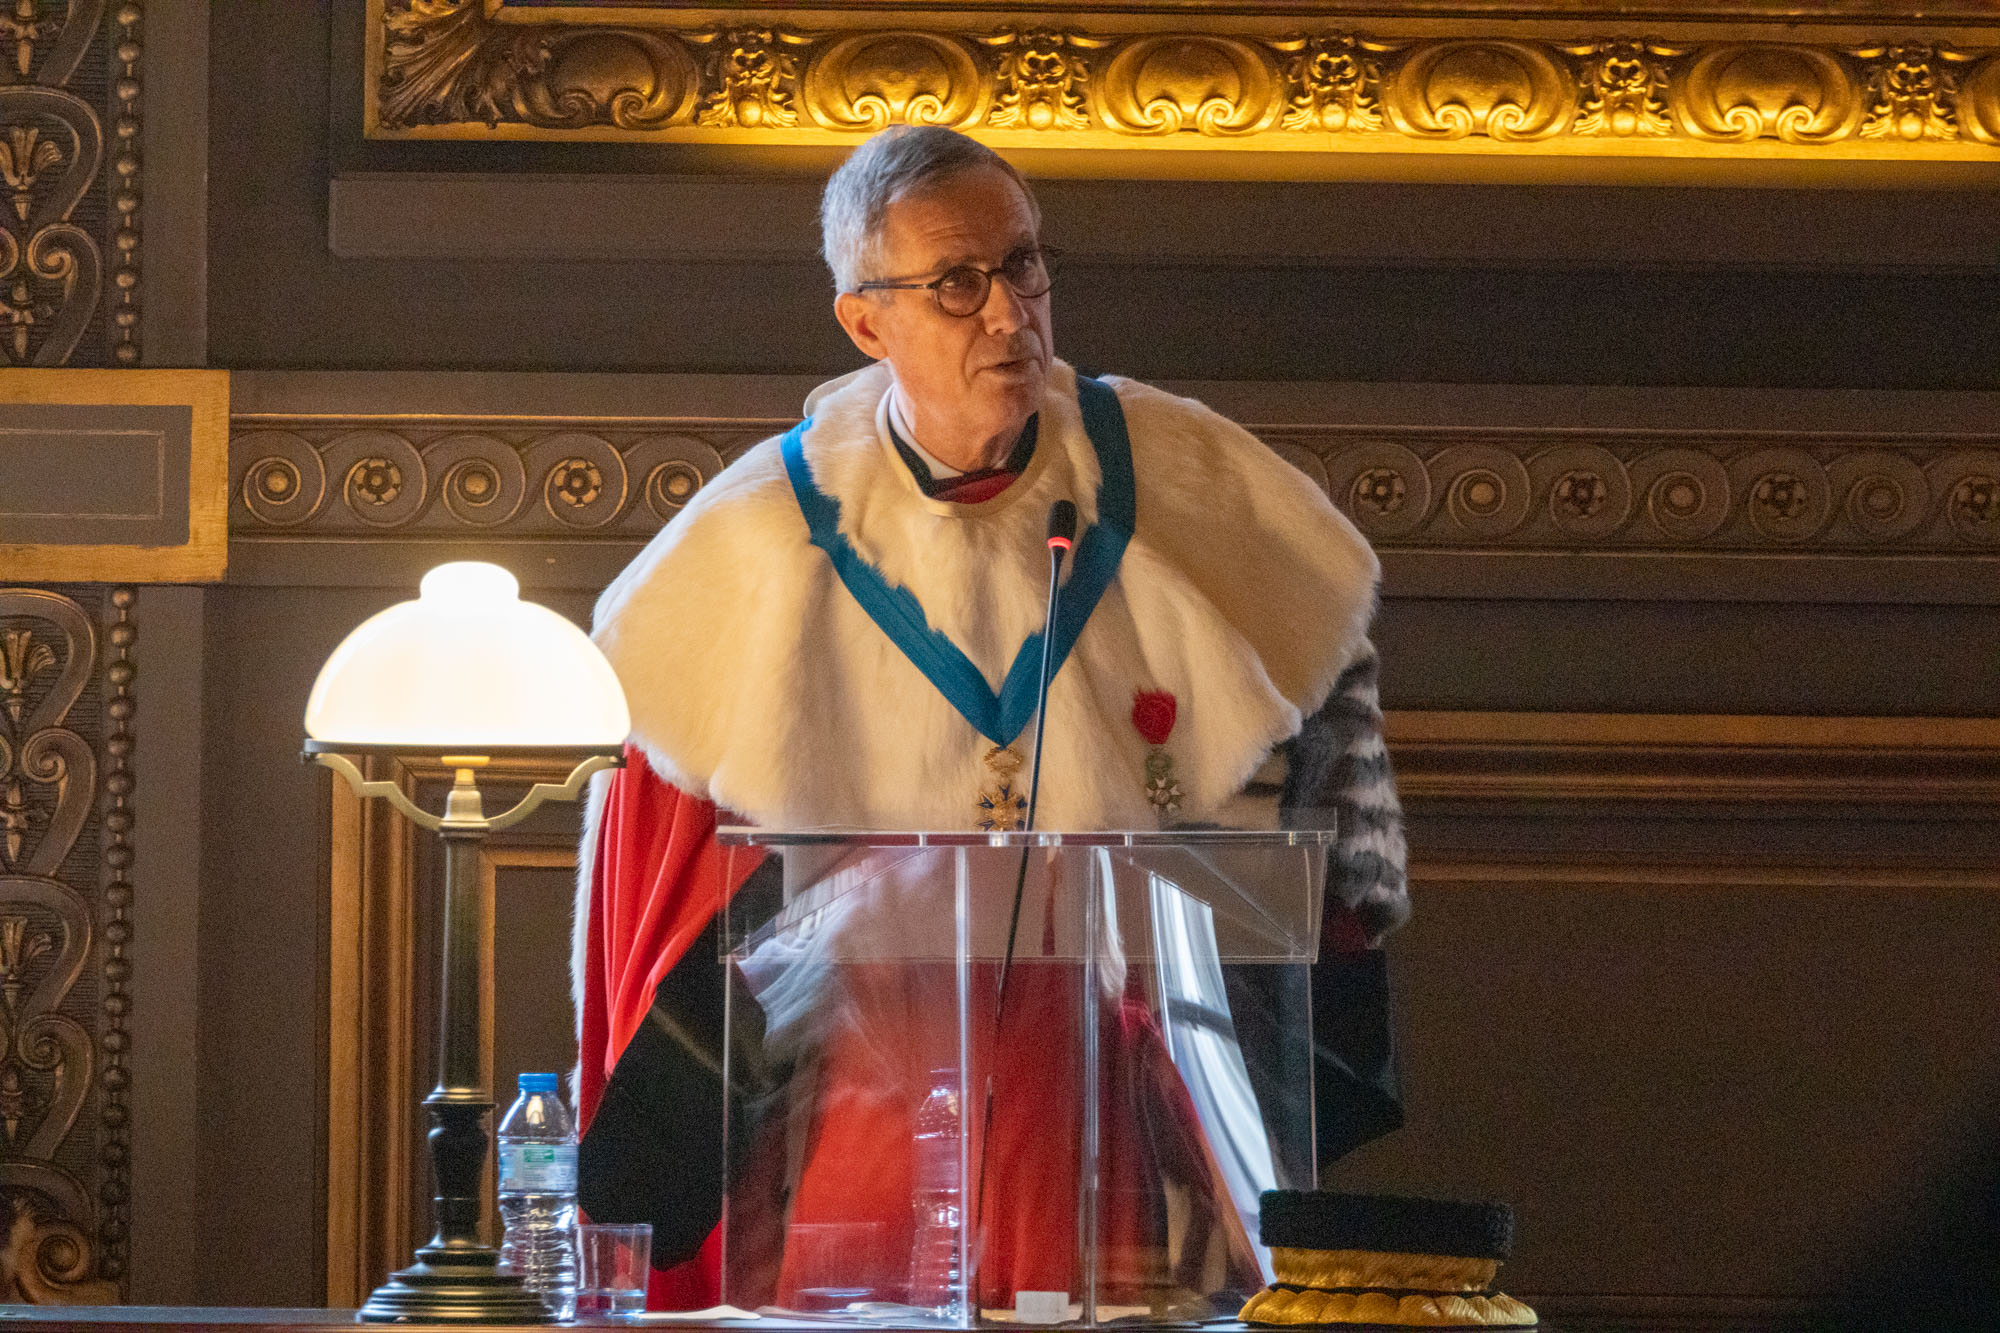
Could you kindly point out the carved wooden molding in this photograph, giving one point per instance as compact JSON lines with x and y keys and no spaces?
{"x":66,"y":711}
{"x":377,"y":1072}
{"x":114,"y":475}
{"x":1866,"y":767}
{"x":1620,"y":490}
{"x":1722,"y":81}
{"x":63,"y":214}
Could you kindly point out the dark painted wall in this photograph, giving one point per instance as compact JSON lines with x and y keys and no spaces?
{"x":278,"y":298}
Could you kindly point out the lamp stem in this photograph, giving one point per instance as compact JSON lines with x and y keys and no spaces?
{"x":460,"y":1102}
{"x":456,"y":1278}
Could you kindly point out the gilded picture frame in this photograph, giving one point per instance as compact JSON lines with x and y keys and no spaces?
{"x":1270,"y":89}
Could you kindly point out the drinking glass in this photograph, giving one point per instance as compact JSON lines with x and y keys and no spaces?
{"x":612,"y":1262}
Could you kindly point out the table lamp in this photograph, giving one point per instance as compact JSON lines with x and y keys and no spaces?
{"x":466,"y":673}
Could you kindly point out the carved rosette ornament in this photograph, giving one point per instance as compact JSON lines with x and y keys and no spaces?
{"x":64,"y":1158}
{"x":1628,"y":490}
{"x":451,"y":68}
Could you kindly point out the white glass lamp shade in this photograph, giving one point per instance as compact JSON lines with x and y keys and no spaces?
{"x":468,"y":664}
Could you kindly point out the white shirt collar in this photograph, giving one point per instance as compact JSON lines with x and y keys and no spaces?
{"x":901,"y":425}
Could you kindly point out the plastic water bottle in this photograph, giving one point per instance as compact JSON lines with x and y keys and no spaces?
{"x":538,"y":1193}
{"x":935,"y":1267}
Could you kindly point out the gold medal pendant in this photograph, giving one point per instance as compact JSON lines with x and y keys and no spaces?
{"x":1002,"y":807}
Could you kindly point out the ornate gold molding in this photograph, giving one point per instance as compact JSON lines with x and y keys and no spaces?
{"x":1406,"y":488}
{"x":1896,"y":83}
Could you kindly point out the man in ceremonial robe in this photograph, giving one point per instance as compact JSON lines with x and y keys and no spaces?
{"x":833,"y":634}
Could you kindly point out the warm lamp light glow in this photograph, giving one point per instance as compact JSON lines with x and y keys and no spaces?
{"x":468,"y":664}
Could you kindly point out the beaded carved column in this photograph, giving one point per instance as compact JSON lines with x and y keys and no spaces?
{"x":65,"y":832}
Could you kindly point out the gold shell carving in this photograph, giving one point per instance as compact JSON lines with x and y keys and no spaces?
{"x":1737,"y":90}
{"x":633,"y":79}
{"x":1510,"y":91}
{"x":1978,"y":102}
{"x":1795,"y":94}
{"x":1165,"y":84}
{"x":872,"y":80}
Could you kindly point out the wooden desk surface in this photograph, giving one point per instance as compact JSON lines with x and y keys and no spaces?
{"x":201,"y":1319}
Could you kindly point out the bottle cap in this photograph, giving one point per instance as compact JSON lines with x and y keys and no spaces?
{"x":538,"y":1083}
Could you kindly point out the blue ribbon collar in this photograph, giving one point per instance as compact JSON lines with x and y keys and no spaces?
{"x":1002,"y":717}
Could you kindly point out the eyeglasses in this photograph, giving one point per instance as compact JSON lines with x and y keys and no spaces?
{"x":962,"y":289}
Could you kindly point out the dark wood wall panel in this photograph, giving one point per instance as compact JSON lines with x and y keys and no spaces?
{"x":1693,"y":1081}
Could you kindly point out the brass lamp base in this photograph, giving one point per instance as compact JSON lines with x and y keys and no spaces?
{"x":454,"y":1287}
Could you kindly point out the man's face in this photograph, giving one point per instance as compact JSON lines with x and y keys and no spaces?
{"x":967,"y":378}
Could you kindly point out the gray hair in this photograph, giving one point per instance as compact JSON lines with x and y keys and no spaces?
{"x":900,"y":161}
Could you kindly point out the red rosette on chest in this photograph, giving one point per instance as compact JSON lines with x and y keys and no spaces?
{"x":1153,"y":714}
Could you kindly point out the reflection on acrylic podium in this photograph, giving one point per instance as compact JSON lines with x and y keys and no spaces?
{"x":958,"y":1101}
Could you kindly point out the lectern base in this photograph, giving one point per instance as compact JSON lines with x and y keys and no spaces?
{"x":454,"y":1287}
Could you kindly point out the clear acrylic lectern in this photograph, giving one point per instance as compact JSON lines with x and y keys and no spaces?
{"x":1034,"y":1078}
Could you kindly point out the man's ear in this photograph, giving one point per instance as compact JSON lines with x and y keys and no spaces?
{"x":861,"y":318}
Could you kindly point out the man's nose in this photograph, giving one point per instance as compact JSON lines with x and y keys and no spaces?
{"x":1004,"y":312}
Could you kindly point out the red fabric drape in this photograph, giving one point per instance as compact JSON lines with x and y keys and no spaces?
{"x":659,"y":876}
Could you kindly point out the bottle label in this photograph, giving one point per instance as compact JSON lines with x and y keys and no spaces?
{"x":538,"y":1168}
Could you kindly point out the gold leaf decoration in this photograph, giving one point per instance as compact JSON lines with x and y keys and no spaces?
{"x":1461,"y":84}
{"x":1911,"y":94}
{"x":1167,"y":84}
{"x":1039,"y":79}
{"x":1333,"y":83}
{"x":1978,"y":103}
{"x":1507,"y":90}
{"x":444,"y":62}
{"x":1624,"y":89}
{"x":751,"y":74}
{"x":1795,"y":94}
{"x":872,"y":80}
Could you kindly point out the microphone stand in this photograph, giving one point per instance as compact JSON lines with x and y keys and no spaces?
{"x":1062,"y":536}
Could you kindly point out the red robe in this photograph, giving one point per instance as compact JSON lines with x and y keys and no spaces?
{"x":660,"y":876}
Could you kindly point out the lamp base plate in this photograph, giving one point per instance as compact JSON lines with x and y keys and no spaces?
{"x":454,"y":1287}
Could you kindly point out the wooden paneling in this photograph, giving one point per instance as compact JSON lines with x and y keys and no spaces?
{"x":114,"y":475}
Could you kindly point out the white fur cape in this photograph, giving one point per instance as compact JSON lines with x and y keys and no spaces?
{"x":756,"y":679}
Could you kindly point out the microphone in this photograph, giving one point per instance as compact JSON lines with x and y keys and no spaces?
{"x":1062,"y":529}
{"x":1062,"y":539}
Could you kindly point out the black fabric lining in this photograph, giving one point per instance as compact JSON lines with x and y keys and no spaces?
{"x":1397,"y":1292}
{"x":1017,"y":459}
{"x":1395,"y":1223}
